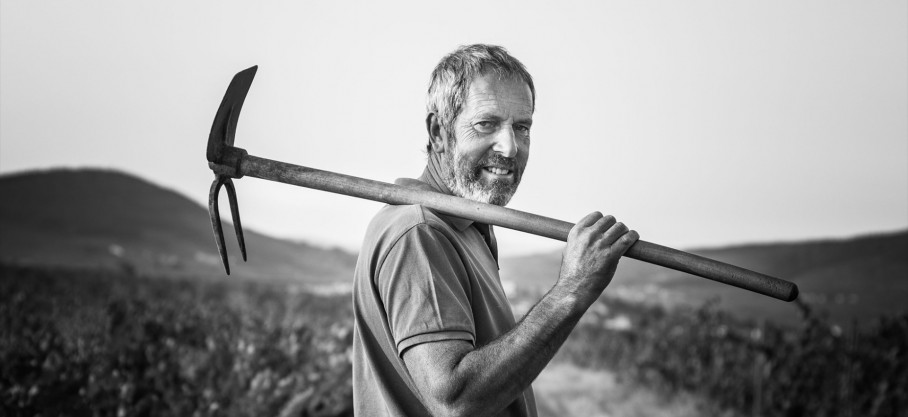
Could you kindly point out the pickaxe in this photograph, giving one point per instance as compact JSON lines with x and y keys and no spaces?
{"x":228,"y":161}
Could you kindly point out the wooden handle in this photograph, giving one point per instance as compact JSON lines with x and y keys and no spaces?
{"x":512,"y":219}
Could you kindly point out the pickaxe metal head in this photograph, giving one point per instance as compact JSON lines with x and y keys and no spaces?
{"x":224,"y":159}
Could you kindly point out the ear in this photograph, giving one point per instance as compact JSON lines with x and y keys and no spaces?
{"x":437,"y":134}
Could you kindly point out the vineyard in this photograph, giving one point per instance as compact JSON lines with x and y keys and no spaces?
{"x":106,"y":343}
{"x":755,"y":369}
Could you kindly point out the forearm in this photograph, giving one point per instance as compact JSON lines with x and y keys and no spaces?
{"x":456,"y":379}
{"x":487,"y":379}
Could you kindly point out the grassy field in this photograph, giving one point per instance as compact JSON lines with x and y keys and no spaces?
{"x":105,"y":343}
{"x":98,"y":343}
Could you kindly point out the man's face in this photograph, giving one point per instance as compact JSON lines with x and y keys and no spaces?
{"x":491,"y":140}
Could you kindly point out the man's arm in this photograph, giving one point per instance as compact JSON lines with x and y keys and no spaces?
{"x":454,"y":378}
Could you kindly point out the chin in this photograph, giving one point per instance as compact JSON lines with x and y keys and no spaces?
{"x":501,"y":200}
{"x":501,"y":193}
{"x":476,"y":188}
{"x":494,"y":196}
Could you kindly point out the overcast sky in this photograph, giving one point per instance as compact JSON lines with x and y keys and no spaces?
{"x":698,"y":123}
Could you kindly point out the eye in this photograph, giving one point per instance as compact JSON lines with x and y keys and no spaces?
{"x":522,"y":128}
{"x":484,"y":126}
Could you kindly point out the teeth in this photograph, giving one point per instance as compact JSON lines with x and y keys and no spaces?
{"x":498,"y":171}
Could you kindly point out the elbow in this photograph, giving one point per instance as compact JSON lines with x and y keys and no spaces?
{"x":445,"y":385}
{"x":448,"y":400}
{"x":452,"y":410}
{"x":446,"y":410}
{"x":459,"y":396}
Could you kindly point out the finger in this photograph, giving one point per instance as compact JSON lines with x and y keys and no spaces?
{"x":610,"y":236}
{"x":588,"y":220}
{"x":625,"y":242}
{"x":585,"y":222}
{"x":603,"y":224}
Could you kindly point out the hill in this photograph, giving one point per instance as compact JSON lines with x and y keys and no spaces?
{"x":854,"y":279}
{"x":109,"y":219}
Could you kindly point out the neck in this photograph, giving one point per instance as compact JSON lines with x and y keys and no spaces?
{"x":433,"y":174}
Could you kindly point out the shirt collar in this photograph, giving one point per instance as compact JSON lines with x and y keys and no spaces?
{"x":428,"y":183}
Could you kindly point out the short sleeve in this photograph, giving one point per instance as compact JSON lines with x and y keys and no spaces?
{"x":425,"y":290}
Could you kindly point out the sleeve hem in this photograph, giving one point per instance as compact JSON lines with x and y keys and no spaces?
{"x":411,"y":341}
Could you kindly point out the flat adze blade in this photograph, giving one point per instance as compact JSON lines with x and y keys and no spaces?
{"x":224,"y":126}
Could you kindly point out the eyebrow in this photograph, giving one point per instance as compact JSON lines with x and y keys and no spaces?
{"x":492,"y":116}
{"x":524,"y":121}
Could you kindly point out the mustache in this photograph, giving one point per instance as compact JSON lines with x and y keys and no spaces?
{"x":500,"y":161}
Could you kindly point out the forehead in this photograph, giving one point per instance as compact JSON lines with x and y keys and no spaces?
{"x":488,"y":93}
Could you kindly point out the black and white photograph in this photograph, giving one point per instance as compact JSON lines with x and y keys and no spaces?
{"x":480,"y":208}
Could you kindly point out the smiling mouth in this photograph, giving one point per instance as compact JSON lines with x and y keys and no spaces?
{"x":498,"y":171}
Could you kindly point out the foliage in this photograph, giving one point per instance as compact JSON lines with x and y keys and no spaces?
{"x":99,"y":343}
{"x":810,"y":369}
{"x":102,"y":343}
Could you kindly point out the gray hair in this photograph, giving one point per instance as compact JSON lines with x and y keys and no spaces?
{"x":452,"y":77}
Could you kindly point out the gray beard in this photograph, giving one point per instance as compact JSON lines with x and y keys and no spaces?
{"x":466,"y":181}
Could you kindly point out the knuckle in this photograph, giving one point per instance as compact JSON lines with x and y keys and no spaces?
{"x":589,"y":219}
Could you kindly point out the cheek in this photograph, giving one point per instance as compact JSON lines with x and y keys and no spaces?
{"x":465,"y":132}
{"x":524,"y":156}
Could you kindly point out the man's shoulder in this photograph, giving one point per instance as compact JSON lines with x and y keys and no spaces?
{"x":393,"y":221}
{"x":389,"y":226}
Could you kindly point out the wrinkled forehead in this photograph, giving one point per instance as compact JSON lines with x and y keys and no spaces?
{"x":492,"y":92}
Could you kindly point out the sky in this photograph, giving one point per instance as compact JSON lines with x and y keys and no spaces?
{"x":697,"y":123}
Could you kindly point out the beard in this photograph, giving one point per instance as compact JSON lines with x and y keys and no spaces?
{"x":465,"y":179}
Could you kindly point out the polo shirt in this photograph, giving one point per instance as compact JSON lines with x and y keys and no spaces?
{"x":421,"y":277}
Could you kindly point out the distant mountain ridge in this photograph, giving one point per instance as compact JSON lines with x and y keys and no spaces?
{"x":110,"y":219}
{"x":849,"y":279}
{"x":103,"y":218}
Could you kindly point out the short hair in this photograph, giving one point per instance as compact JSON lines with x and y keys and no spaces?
{"x":453,"y":75}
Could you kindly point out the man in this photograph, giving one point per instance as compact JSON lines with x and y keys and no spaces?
{"x":433,"y":331}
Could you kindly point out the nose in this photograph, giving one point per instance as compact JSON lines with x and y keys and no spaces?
{"x":506,"y":142}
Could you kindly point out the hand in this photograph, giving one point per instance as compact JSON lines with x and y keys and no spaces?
{"x":594,"y":246}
